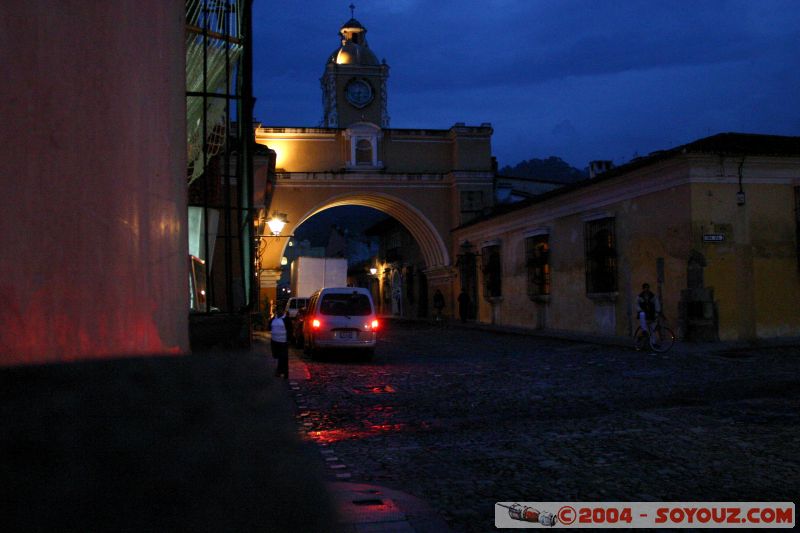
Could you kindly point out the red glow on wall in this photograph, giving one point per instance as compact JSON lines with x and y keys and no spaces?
{"x":39,"y":331}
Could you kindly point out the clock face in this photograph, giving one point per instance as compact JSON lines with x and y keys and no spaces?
{"x":358,"y":93}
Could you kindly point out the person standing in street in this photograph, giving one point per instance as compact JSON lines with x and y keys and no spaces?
{"x":279,"y":344}
{"x":438,"y":304}
{"x":463,"y":306}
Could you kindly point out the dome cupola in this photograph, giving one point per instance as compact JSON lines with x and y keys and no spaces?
{"x":354,"y":81}
{"x":354,"y":49}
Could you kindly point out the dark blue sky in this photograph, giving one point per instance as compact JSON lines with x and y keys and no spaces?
{"x":580,"y":79}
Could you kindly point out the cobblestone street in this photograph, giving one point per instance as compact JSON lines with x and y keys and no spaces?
{"x":463,"y":419}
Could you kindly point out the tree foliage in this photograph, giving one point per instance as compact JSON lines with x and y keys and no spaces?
{"x":553,"y":168}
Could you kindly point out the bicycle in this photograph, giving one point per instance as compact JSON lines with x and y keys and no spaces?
{"x":660,"y":339}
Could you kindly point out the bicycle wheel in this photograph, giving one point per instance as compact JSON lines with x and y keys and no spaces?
{"x":662,"y":339}
{"x":639,"y":340}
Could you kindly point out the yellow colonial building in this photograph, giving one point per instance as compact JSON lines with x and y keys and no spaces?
{"x":713,"y":225}
{"x":429,"y":180}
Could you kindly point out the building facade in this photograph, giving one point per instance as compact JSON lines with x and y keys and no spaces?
{"x":712,"y":225}
{"x":430,"y":180}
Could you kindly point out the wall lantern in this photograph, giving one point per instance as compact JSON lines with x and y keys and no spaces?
{"x":277,"y":223}
{"x":373,"y":271}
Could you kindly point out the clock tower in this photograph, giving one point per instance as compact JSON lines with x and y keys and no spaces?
{"x":354,"y":82}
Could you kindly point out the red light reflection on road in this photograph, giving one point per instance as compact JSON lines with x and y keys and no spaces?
{"x":329,"y":436}
{"x":375,"y":389}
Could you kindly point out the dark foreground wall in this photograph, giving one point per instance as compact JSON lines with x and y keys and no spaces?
{"x":196,"y":443}
{"x":93,"y":245}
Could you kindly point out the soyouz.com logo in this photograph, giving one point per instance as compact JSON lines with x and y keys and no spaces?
{"x":673,"y":515}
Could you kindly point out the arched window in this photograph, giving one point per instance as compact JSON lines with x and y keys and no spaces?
{"x":364,"y":140}
{"x":363,"y":152}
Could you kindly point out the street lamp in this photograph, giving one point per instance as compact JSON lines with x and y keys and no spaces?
{"x":373,"y":271}
{"x":277,"y":223}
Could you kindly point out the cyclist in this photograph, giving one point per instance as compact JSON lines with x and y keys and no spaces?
{"x":649,"y":308}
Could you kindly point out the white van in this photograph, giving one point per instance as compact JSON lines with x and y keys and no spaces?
{"x":340,"y":317}
{"x":294,"y":305}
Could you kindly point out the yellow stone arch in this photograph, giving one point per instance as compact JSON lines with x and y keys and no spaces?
{"x":432,"y":246}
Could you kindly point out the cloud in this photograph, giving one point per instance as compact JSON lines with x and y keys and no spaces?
{"x":564,"y":129}
{"x":628,"y":75}
{"x":531,"y":43}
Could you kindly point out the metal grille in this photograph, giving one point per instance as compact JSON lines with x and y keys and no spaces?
{"x":601,"y":256}
{"x":537,"y":262}
{"x":492,"y":272}
{"x":797,"y":223}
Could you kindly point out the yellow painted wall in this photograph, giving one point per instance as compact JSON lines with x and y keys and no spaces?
{"x":307,"y":153}
{"x":401,"y":151}
{"x":648,"y":226}
{"x":661,"y":210}
{"x":754,"y":271}
{"x":407,"y":153}
{"x":777,"y":279}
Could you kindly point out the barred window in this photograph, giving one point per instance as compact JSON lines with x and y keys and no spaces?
{"x":492,"y":272}
{"x":537,"y":262}
{"x":601,"y":256}
{"x":797,"y":222}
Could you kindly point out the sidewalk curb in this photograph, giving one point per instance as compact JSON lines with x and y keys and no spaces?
{"x":371,"y":508}
{"x":680,"y":347}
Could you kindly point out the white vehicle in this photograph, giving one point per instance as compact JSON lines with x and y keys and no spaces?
{"x":309,"y":274}
{"x":293,"y":305}
{"x":340,"y":317}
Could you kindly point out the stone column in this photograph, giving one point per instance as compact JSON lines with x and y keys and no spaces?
{"x":268,"y":283}
{"x":94,"y":260}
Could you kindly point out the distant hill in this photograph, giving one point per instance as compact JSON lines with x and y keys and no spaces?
{"x":553,"y":168}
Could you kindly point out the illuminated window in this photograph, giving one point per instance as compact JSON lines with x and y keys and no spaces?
{"x":537,"y":263}
{"x":492,"y":271}
{"x":601,"y":256}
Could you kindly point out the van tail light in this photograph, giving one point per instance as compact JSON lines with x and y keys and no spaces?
{"x":316,"y":324}
{"x":375,"y":324}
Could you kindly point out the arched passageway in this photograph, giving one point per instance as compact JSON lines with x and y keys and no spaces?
{"x":299,"y":208}
{"x":430,"y":242}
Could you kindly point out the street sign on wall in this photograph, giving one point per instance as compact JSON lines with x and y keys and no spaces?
{"x":713,"y":237}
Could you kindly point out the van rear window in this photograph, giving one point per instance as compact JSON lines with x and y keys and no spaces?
{"x":345,"y":305}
